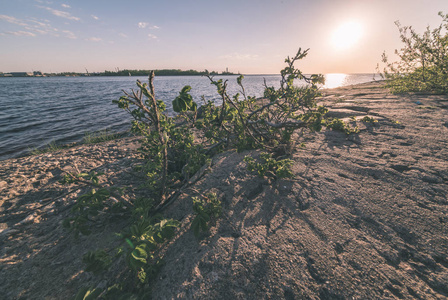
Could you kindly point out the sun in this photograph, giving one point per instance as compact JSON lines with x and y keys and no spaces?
{"x":347,"y":35}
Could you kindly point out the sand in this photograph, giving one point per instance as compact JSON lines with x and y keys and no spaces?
{"x":365,"y":217}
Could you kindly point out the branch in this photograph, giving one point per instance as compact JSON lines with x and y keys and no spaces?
{"x":298,"y":124}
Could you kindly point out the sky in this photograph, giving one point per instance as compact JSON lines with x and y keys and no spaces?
{"x":246,"y":36}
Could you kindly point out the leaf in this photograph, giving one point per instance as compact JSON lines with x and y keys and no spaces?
{"x":140,"y":253}
{"x":203,"y":223}
{"x":196,"y":227}
{"x":179,"y":105}
{"x":184,"y":101}
{"x":130,"y":243}
{"x":88,"y":294}
{"x":186,"y":89}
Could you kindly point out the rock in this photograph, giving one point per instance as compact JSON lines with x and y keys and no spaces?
{"x":27,"y":220}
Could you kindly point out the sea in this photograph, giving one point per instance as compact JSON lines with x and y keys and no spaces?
{"x":38,"y":111}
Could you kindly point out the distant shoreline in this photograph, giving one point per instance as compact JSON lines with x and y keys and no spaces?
{"x":163,"y":72}
{"x":160,"y":75}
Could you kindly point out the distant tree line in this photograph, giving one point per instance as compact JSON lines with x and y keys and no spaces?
{"x":164,"y":72}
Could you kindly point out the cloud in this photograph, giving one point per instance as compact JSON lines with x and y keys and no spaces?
{"x":145,"y":24}
{"x":122,"y":35}
{"x":142,"y":24}
{"x":12,"y":20}
{"x":69,"y":34}
{"x":95,"y":17}
{"x":65,"y":5}
{"x":239,"y":56}
{"x":95,"y":39}
{"x":60,"y":13}
{"x":152,"y":36}
{"x":20,"y":33}
{"x":36,"y":27}
{"x":40,"y":31}
{"x":40,"y":24}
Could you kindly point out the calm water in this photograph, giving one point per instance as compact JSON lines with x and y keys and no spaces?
{"x":36,"y":111}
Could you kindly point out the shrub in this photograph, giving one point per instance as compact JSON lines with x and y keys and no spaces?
{"x":175,"y":148}
{"x":423,"y":64}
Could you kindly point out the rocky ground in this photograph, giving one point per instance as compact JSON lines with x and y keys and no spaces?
{"x":366,"y":216}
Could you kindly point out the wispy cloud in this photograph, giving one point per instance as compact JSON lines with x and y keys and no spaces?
{"x":20,"y":33}
{"x":122,"y":35}
{"x":33,"y":27}
{"x":69,"y":34}
{"x":142,"y":24}
{"x":60,"y":13}
{"x":152,"y":36}
{"x":65,"y":5}
{"x":12,"y":20}
{"x":95,"y":39}
{"x":40,"y":24}
{"x":145,"y":24}
{"x":239,"y":56}
{"x":95,"y":17}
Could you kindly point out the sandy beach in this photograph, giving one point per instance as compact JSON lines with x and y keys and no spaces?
{"x":365,"y":217}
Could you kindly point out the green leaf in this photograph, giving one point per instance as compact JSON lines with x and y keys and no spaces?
{"x":196,"y":226}
{"x":140,"y":253}
{"x":129,"y":243}
{"x":239,"y":79}
{"x":185,"y":89}
{"x":88,"y":294}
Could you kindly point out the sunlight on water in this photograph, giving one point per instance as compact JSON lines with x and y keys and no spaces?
{"x":334,"y":80}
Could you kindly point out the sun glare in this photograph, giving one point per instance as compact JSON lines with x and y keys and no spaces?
{"x":347,"y":35}
{"x":334,"y":80}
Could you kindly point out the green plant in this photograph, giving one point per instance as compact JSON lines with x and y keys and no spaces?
{"x":269,"y":166}
{"x":142,"y":240}
{"x":99,"y":137}
{"x":96,"y":261}
{"x":175,"y":148}
{"x":205,"y":209}
{"x":91,"y":203}
{"x":51,"y":147}
{"x":339,"y":125}
{"x":368,"y":119}
{"x":423,"y":60}
{"x":169,"y":150}
{"x":244,"y":123}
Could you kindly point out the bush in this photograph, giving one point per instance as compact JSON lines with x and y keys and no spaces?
{"x":176,"y":149}
{"x":423,"y":64}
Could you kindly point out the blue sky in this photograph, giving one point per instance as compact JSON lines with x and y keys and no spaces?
{"x":251,"y":37}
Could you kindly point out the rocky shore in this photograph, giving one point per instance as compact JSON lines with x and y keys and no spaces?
{"x":366,"y":216}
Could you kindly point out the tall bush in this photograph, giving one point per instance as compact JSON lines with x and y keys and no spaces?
{"x":423,"y":60}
